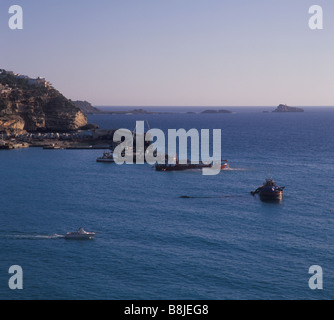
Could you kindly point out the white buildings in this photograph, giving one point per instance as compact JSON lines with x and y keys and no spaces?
{"x":38,"y":82}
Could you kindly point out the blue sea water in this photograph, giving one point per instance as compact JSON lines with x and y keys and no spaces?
{"x":152,"y":244}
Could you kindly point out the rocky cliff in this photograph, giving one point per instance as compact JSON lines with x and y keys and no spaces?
{"x":35,"y":106}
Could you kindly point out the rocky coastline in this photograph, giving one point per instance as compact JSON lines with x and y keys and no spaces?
{"x":34,"y":114}
{"x":94,"y":139}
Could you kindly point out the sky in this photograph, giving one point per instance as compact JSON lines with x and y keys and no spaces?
{"x":175,"y":52}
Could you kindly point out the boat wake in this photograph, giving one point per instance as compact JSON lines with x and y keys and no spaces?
{"x":34,"y":236}
{"x":218,"y":197}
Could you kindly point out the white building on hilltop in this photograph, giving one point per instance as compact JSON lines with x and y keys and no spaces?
{"x":39,"y":82}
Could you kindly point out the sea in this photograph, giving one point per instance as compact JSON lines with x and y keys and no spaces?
{"x":176,"y":235}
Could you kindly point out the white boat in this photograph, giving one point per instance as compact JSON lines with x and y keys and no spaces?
{"x":81,"y":234}
{"x":107,"y":157}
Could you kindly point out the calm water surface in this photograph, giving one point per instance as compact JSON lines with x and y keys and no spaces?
{"x":152,"y":244}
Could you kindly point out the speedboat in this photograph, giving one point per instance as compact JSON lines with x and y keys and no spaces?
{"x":81,"y":234}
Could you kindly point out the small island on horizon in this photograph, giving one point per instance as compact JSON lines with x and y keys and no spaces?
{"x":286,"y":108}
{"x":217,"y":111}
{"x":88,"y":109}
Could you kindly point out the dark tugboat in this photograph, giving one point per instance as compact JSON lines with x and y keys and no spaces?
{"x":177,"y":166}
{"x":269,"y":191}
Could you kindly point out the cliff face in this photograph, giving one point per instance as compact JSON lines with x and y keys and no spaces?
{"x":35,"y":107}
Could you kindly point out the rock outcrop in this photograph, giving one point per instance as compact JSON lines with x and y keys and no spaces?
{"x":35,"y":107}
{"x":86,"y":107}
{"x":285,"y":108}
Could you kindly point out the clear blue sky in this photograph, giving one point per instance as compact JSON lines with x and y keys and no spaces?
{"x":175,"y":52}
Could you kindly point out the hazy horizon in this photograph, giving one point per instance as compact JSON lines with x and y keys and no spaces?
{"x":203,"y":106}
{"x":175,"y":53}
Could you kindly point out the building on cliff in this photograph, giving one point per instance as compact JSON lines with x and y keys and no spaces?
{"x":39,"y":82}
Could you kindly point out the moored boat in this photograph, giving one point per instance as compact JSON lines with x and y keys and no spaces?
{"x":52,"y":147}
{"x":107,"y":157}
